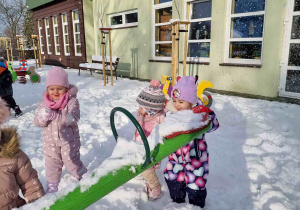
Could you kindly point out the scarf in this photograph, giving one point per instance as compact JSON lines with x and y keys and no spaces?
{"x":60,"y":104}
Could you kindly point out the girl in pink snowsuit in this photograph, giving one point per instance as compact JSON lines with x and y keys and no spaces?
{"x":58,"y":113}
{"x":151,"y":113}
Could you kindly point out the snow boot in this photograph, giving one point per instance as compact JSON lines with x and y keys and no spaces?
{"x":18,"y":111}
{"x":154,"y":193}
{"x":52,"y":187}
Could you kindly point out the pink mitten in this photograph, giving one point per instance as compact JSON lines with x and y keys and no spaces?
{"x":50,"y":114}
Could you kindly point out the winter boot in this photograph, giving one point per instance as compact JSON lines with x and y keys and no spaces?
{"x":154,"y":193}
{"x":18,"y":111}
{"x":52,"y":187}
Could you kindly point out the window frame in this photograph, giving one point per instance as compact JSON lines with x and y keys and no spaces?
{"x":228,"y":40}
{"x":55,"y":35}
{"x":154,"y":25}
{"x":189,"y":17}
{"x":40,"y":29}
{"x":124,"y":24}
{"x":75,"y":33}
{"x":64,"y":33}
{"x":48,"y":45}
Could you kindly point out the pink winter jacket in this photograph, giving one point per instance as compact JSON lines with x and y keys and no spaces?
{"x":16,"y":173}
{"x":148,"y":123}
{"x":64,"y":126}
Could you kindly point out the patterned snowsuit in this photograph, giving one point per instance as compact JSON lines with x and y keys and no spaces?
{"x":61,"y":139}
{"x":187,"y":169}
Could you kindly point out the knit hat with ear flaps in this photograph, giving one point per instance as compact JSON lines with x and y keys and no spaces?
{"x":4,"y":114}
{"x":152,"y":97}
{"x":185,"y":89}
{"x":57,"y":76}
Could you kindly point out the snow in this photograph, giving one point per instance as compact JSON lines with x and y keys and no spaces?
{"x":254,"y":155}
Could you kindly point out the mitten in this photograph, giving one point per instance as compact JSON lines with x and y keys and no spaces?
{"x":50,"y":114}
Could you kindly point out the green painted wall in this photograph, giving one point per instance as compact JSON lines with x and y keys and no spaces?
{"x":134,"y":47}
{"x":89,"y":29}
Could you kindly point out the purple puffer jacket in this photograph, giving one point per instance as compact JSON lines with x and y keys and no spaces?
{"x":64,"y":127}
{"x":190,"y":162}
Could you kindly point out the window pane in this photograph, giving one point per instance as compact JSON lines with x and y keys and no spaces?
{"x":199,"y":49}
{"x":116,"y":20}
{"x":64,"y":16}
{"x":296,"y":28}
{"x":131,"y":18}
{"x":47,"y":21}
{"x":66,"y":39}
{"x":54,"y":19}
{"x":244,"y":27}
{"x":294,"y":56}
{"x":242,"y":6}
{"x":163,"y":15}
{"x":75,"y":15}
{"x":58,"y":49}
{"x":245,"y":50}
{"x":49,"y":40}
{"x":66,"y":29}
{"x":164,"y":50}
{"x":67,"y":49}
{"x":297,"y":5}
{"x":163,"y":33}
{"x":77,"y":27}
{"x":200,"y":30}
{"x":78,"y":47}
{"x":57,"y":40}
{"x":293,"y":81}
{"x":201,"y":10}
{"x":56,"y":30}
{"x":77,"y":38}
{"x":161,"y":1}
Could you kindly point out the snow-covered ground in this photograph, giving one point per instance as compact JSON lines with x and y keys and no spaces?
{"x":254,"y":155}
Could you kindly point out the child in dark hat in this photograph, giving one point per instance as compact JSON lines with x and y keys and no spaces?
{"x":151,"y":113}
{"x":6,"y":90}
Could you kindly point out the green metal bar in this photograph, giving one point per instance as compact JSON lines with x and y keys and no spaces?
{"x":106,"y":184}
{"x":138,"y":127}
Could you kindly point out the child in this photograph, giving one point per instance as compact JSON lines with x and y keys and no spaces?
{"x":6,"y":90}
{"x":58,"y":113}
{"x":150,"y":114}
{"x":16,"y":171}
{"x":187,"y":168}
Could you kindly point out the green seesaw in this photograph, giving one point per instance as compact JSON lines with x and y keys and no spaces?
{"x":108,"y":183}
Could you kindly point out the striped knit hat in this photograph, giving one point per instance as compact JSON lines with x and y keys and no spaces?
{"x":152,"y":98}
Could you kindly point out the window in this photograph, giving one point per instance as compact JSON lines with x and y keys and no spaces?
{"x":48,"y":39}
{"x":124,"y":19}
{"x":56,"y":35}
{"x":64,"y":20}
{"x":200,"y":30}
{"x":76,"y":32}
{"x":40,"y":28}
{"x":245,"y":40}
{"x":162,"y":29}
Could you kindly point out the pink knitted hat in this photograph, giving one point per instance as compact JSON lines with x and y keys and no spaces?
{"x":185,"y":89}
{"x":57,"y":76}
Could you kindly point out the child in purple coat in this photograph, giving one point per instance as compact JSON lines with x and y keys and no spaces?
{"x":58,"y":113}
{"x":186,"y":171}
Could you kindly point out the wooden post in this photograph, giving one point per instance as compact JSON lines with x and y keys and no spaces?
{"x":110,"y":55}
{"x":185,"y":49}
{"x":173,"y":55}
{"x":103,"y":58}
{"x":176,"y":50}
{"x":34,"y":51}
{"x":11,"y":53}
{"x":7,"y":51}
{"x":39,"y":52}
{"x":18,"y":45}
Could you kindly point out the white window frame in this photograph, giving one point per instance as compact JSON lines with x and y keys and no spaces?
{"x":155,"y":7}
{"x":54,"y":33}
{"x":197,"y":59}
{"x":64,"y":33}
{"x":47,"y":35}
{"x":124,"y":24}
{"x":40,"y":28}
{"x":228,"y":39}
{"x":75,"y":33}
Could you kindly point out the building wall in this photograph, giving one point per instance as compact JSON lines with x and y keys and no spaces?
{"x":89,"y":29}
{"x":49,"y":10}
{"x":134,"y":47}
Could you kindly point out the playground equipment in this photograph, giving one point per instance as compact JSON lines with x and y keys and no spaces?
{"x":106,"y":184}
{"x":9,"y":50}
{"x":37,"y":51}
{"x":102,"y":35}
{"x":20,"y":45}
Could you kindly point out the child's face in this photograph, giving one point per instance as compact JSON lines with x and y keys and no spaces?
{"x":142,"y":111}
{"x":181,"y":104}
{"x":56,"y":91}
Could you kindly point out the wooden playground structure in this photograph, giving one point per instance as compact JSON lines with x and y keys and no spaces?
{"x":37,"y":50}
{"x":102,"y":37}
